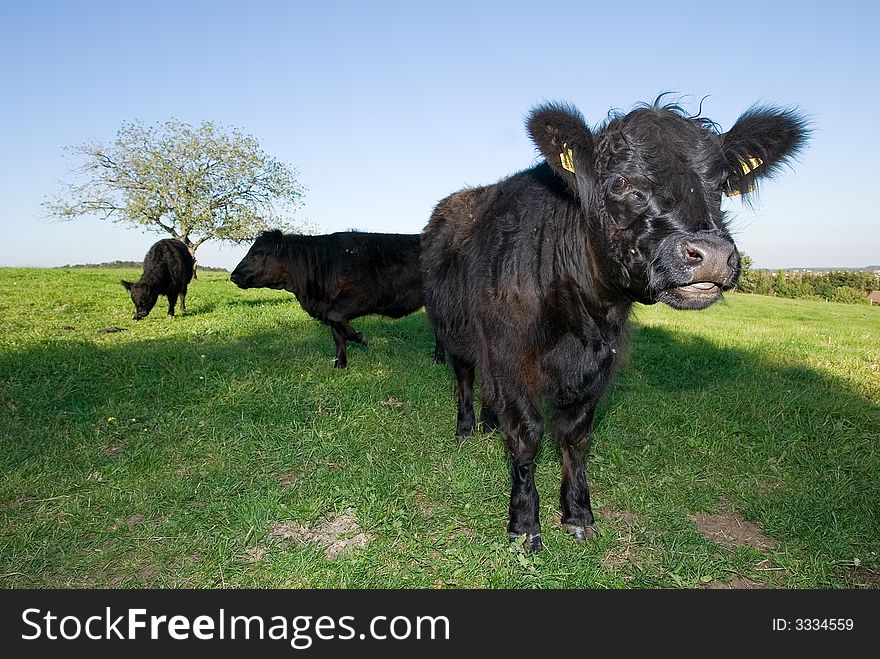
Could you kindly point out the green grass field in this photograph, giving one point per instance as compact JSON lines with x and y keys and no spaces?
{"x":738,"y":447}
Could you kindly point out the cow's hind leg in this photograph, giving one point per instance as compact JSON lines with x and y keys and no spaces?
{"x":464,"y":396}
{"x":339,"y":339}
{"x":573,"y":428}
{"x":183,"y":299}
{"x":172,"y":300}
{"x":488,"y":419}
{"x":521,"y":421}
{"x":439,"y":352}
{"x":337,"y":319}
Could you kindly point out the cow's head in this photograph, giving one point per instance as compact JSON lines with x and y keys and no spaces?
{"x":263,"y":266}
{"x":143,"y":296}
{"x":650,"y":183}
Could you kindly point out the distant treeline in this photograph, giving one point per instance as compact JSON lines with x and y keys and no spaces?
{"x":132,"y":264}
{"x":851,"y":286}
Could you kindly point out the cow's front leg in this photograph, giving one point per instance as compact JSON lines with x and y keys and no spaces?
{"x":172,"y":300}
{"x":522,"y":426}
{"x":572,"y":428}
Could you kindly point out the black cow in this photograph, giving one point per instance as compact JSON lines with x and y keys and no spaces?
{"x":339,"y":276}
{"x":168,"y":270}
{"x":532,"y":279}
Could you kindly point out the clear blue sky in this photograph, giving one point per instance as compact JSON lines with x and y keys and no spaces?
{"x":386,"y":107}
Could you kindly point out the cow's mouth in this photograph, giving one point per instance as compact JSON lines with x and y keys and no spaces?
{"x":699,"y":288}
{"x":697,"y":295}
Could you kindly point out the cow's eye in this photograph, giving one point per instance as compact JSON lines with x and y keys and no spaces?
{"x":618,"y":184}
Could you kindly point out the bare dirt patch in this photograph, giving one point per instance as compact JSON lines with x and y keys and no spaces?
{"x":288,"y":480}
{"x":863,"y":577}
{"x":392,"y":402}
{"x":626,"y":517}
{"x":731,"y":531}
{"x":17,"y":502}
{"x":424,"y":505}
{"x":255,"y":554}
{"x":135,"y":519}
{"x":626,"y":553}
{"x":112,"y":329}
{"x":288,"y":530}
{"x":336,"y":534}
{"x":736,"y":583}
{"x":464,"y":532}
{"x":148,"y":572}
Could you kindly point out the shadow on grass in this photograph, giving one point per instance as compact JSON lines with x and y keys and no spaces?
{"x":787,"y":444}
{"x":260,"y":303}
{"x":200,"y":308}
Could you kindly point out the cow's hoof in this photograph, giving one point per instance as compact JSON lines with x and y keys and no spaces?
{"x":531,"y":542}
{"x":361,"y":339}
{"x":339,"y":364}
{"x":580,"y":533}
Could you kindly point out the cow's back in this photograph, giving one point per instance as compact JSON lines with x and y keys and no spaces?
{"x":168,"y":266}
{"x":377,"y":273}
{"x":475,"y":278}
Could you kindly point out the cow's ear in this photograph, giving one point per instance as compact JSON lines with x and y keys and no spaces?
{"x":758,"y":145}
{"x":126,"y":284}
{"x":563,"y":138}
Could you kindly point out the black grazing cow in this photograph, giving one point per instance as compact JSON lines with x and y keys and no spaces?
{"x":168,"y":270}
{"x":532,"y":279}
{"x":339,"y":276}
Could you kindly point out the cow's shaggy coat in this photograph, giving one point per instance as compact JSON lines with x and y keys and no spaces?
{"x":532,"y":279}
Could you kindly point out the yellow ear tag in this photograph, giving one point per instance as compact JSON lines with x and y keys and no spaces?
{"x":746,"y":167}
{"x":567,"y":158}
{"x":736,"y":193}
{"x":751,"y":165}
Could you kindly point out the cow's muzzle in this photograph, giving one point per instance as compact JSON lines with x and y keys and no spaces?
{"x":709,"y":264}
{"x":711,"y":260}
{"x":237,"y":279}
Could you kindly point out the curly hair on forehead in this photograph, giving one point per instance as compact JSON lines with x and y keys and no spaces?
{"x":675,"y":106}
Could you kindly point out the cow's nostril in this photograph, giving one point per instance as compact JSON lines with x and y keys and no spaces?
{"x":733,"y":260}
{"x":692,"y":255}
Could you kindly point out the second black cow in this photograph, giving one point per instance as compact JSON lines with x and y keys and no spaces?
{"x":168,"y":270}
{"x":338,"y":277}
